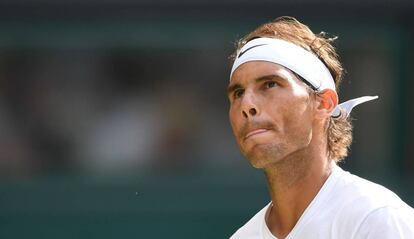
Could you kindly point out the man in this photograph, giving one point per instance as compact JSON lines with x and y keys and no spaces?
{"x":286,"y":119}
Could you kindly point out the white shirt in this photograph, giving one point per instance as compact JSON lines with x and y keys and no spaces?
{"x":346,"y":207}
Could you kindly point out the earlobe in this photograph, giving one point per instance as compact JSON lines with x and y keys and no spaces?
{"x":328,"y":100}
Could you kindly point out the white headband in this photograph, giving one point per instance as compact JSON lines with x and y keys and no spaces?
{"x":300,"y":61}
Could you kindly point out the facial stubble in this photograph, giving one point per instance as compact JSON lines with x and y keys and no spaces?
{"x":262,"y":155}
{"x":276,"y":159}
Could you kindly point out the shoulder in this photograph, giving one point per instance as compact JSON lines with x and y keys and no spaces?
{"x":364,"y":194}
{"x":388,"y":222}
{"x":366,"y":207}
{"x":252,"y":229}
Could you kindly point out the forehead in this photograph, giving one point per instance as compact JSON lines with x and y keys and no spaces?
{"x":252,"y":70}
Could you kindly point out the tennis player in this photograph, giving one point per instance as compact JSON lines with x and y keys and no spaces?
{"x":288,"y":121}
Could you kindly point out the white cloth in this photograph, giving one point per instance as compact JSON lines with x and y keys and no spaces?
{"x":289,"y":55}
{"x":346,"y":207}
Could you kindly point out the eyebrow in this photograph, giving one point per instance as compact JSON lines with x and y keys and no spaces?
{"x":232,"y":87}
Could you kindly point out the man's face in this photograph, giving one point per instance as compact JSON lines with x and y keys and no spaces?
{"x":271,"y":112}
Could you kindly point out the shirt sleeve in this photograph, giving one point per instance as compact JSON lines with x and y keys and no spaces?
{"x":388,"y":223}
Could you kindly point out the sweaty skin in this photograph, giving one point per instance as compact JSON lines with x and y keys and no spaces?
{"x":281,"y":127}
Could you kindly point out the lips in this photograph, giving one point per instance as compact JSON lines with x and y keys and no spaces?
{"x":255,"y":132}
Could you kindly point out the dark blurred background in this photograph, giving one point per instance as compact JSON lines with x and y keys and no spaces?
{"x":113,"y":114}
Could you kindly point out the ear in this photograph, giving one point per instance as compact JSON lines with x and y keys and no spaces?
{"x":327,"y":100}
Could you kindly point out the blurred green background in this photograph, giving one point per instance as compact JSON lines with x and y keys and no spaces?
{"x":113,"y":114}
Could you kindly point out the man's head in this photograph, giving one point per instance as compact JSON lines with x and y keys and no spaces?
{"x":273,"y":110}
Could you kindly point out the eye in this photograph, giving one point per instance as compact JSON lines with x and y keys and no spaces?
{"x":270,"y":84}
{"x":238,"y":93}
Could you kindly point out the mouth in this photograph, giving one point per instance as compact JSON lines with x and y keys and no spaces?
{"x":255,"y":132}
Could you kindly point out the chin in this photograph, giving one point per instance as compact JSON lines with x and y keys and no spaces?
{"x":260,"y":156}
{"x":259,"y":164}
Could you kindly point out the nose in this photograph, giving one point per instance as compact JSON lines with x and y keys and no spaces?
{"x":249,"y":107}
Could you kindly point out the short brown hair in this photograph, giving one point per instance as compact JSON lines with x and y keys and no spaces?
{"x":339,"y":133}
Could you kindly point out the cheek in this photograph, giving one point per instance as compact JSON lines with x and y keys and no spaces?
{"x":295,"y":114}
{"x":299,"y":125}
{"x":299,"y":101}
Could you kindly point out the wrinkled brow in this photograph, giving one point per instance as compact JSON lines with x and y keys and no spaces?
{"x":232,"y":87}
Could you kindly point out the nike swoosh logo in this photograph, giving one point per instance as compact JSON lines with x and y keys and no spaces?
{"x":242,"y":52}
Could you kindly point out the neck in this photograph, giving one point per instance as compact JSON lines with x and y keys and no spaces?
{"x":293,"y":183}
